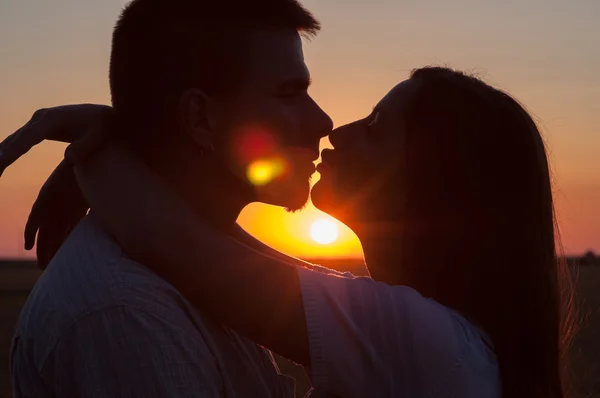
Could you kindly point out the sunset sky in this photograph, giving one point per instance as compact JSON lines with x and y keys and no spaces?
{"x":544,"y":52}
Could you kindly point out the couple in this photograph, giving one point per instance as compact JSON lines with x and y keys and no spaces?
{"x":159,"y":293}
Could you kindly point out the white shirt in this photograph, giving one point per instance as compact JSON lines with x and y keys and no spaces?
{"x":369,"y":339}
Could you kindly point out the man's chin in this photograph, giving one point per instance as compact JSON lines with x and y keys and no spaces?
{"x":292,"y":197}
{"x":295,"y":207}
{"x":297,"y":199}
{"x":291,"y":204}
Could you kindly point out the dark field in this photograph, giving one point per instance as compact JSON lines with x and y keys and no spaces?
{"x":16,"y":279}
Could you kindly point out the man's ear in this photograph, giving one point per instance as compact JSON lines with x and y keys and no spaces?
{"x":196,"y":117}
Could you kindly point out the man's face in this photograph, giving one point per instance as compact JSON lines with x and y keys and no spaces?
{"x":270,"y":128}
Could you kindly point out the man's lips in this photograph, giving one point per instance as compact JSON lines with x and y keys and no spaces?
{"x":303,"y":159}
{"x":310,"y":169}
{"x":304,"y":153}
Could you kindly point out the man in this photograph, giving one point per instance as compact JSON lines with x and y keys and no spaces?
{"x":201,"y":91}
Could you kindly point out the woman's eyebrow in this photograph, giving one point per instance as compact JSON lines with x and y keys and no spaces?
{"x":377,"y":108}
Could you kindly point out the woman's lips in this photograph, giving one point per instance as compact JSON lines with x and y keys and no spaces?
{"x":323,"y":168}
{"x":328,"y":161}
{"x":328,"y":157}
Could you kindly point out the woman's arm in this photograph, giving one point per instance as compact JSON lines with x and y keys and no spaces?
{"x":256,"y":295}
{"x":66,"y":123}
{"x":59,"y":205}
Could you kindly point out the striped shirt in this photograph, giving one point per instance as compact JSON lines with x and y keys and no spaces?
{"x":98,"y":324}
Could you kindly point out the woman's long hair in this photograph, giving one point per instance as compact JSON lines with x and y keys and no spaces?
{"x":480,"y":226}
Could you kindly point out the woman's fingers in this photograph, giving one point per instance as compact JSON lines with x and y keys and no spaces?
{"x":67,"y":123}
{"x":33,"y":223}
{"x":58,"y":198}
{"x":44,"y":123}
{"x":43,"y":248}
{"x":20,"y":142}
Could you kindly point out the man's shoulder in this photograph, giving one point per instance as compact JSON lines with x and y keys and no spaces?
{"x":91,"y":284}
{"x":90,"y":272}
{"x":118,"y":350}
{"x":90,"y":276}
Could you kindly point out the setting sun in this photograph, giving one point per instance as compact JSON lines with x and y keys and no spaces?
{"x":324,"y":231}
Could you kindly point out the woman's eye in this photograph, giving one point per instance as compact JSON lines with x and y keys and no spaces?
{"x":374,"y":120}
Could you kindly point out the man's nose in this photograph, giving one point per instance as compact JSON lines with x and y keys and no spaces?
{"x":327,"y":125}
{"x":323,"y":125}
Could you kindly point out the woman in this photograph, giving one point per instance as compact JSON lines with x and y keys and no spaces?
{"x":447,"y":186}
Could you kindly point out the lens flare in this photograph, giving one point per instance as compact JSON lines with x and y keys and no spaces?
{"x":252,"y":143}
{"x":261,"y":172}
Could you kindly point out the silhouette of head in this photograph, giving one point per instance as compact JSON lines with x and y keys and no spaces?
{"x":454,"y":175}
{"x":226,"y":77}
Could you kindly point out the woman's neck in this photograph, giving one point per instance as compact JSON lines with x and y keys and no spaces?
{"x":382,"y":247}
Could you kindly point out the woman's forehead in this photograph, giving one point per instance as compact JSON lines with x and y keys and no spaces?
{"x":398,"y":96}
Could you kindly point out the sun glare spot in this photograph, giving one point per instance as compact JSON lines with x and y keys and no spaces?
{"x":324,"y":231}
{"x":263,"y":171}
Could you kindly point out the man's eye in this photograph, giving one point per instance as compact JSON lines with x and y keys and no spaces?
{"x":291,"y":93}
{"x":287,"y":94}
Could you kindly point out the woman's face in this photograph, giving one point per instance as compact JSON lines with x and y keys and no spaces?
{"x":361,"y":177}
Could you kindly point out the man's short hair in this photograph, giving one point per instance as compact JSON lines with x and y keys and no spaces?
{"x":160,"y":48}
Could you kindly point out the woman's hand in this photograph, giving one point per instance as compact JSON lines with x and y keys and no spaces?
{"x":66,"y":123}
{"x":60,"y":204}
{"x":57,"y":210}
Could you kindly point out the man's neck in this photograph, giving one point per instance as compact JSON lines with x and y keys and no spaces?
{"x":216,"y":196}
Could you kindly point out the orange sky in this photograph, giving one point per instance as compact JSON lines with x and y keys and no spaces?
{"x":545,"y":52}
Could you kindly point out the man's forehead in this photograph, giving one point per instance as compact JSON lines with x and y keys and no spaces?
{"x":276,"y":54}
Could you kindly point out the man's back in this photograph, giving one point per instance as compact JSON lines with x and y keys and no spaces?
{"x":98,"y":324}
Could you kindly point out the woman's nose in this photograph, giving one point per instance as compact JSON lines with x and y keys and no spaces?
{"x":342,"y":135}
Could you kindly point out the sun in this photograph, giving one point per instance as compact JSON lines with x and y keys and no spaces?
{"x":324,"y":231}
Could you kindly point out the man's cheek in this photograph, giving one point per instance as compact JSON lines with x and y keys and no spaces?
{"x":288,"y":121}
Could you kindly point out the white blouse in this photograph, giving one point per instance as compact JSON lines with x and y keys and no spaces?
{"x":370,"y":339}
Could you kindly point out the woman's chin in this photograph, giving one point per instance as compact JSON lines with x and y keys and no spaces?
{"x":322,"y":196}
